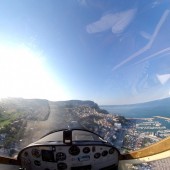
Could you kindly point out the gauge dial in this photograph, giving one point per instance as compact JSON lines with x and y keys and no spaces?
{"x":61,"y":166}
{"x":60,"y":156}
{"x":111,"y":151}
{"x":104,"y":153}
{"x":36,"y":153}
{"x":86,"y":150}
{"x":74,"y":150}
{"x":97,"y":155}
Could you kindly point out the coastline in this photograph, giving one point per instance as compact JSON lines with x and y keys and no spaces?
{"x":161,"y":117}
{"x":140,"y":118}
{"x":151,"y":118}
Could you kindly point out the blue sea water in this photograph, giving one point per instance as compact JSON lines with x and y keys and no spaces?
{"x":135,"y":112}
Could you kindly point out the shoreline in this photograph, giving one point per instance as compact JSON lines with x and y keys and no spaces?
{"x":148,"y":118}
{"x":139,"y":118}
{"x":161,"y":117}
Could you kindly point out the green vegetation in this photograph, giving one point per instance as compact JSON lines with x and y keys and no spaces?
{"x":13,"y":132}
{"x":5,"y":122}
{"x":7,"y":118}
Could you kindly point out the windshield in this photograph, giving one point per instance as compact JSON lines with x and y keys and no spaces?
{"x":103,"y":66}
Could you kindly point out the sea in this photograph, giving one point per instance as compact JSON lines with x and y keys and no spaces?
{"x":134,"y":112}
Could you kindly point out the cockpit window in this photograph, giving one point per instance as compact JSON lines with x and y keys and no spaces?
{"x":103,"y":66}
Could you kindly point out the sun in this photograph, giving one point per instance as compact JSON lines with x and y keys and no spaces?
{"x":23,"y":74}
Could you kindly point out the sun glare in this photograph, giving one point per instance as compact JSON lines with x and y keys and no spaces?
{"x":23,"y":74}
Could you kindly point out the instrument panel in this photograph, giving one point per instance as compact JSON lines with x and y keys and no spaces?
{"x":69,"y":157}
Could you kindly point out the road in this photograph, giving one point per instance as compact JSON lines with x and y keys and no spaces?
{"x":36,"y":129}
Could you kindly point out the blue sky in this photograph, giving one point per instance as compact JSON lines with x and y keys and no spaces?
{"x":112,"y":52}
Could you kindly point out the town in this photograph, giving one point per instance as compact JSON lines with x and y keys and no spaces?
{"x":125,"y":134}
{"x":143,"y":132}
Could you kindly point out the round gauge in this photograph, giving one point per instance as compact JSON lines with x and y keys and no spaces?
{"x":97,"y":155}
{"x":36,"y":153}
{"x":86,"y":150}
{"x":111,"y":150}
{"x":60,"y":156}
{"x":25,"y":161}
{"x":104,"y":153}
{"x":74,"y":150}
{"x":61,"y":166}
{"x":25,"y":154}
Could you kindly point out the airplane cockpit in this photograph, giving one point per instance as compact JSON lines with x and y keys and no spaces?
{"x":76,"y":149}
{"x":69,"y":149}
{"x":58,"y":59}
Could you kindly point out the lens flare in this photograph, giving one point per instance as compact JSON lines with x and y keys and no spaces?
{"x":23,"y":74}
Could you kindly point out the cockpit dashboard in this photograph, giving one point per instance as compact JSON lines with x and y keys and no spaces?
{"x":76,"y":149}
{"x":69,"y":149}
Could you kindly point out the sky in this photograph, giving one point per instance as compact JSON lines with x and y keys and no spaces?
{"x":111,"y":52}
